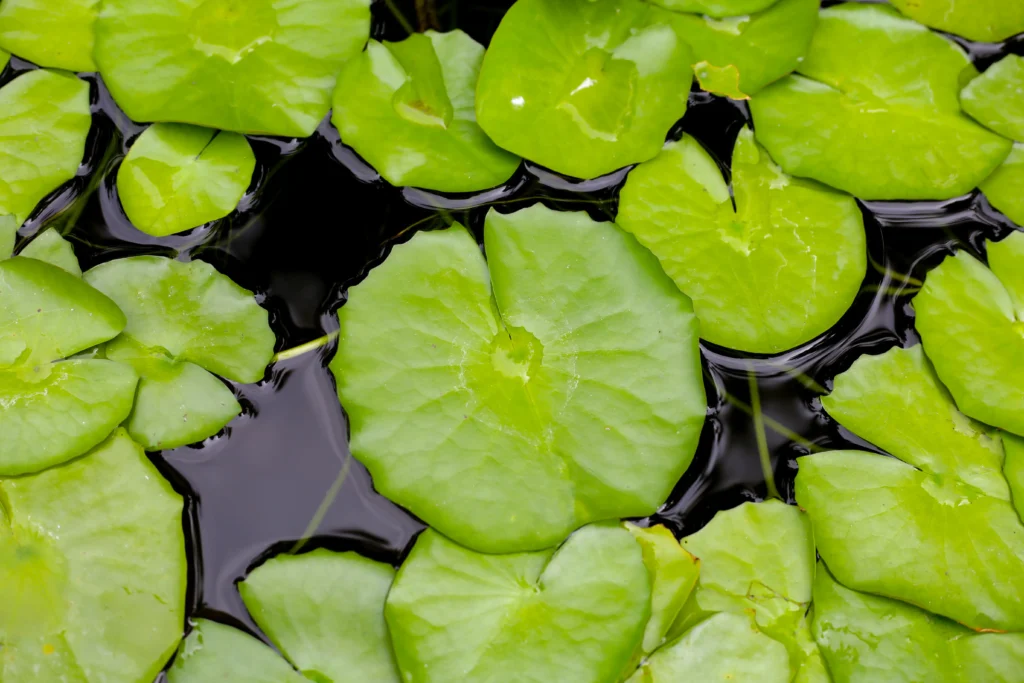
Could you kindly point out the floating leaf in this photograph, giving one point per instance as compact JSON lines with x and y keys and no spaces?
{"x":8,"y":234}
{"x":1003,"y":187}
{"x":580,"y":368}
{"x":673,"y":573}
{"x":213,"y":653}
{"x":408,"y":108}
{"x":937,"y":530}
{"x":92,"y":558}
{"x":325,"y":612}
{"x":772,"y":273}
{"x":583,"y":87}
{"x":996,"y":98}
{"x":878,"y":97}
{"x":178,"y":177}
{"x":987,"y":20}
{"x":1013,"y":468}
{"x":716,"y":8}
{"x":42,"y":137}
{"x":575,"y":614}
{"x":871,"y":638}
{"x":54,"y":33}
{"x":49,"y":246}
{"x":723,"y":81}
{"x":252,"y":67}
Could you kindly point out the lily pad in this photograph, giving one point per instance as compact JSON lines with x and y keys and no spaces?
{"x":1003,"y":187}
{"x":8,"y":235}
{"x":213,"y":653}
{"x":92,"y":555}
{"x":575,"y":614}
{"x":986,"y":20}
{"x":42,"y":137}
{"x":769,"y":266}
{"x":325,"y":612}
{"x":53,"y":33}
{"x":971,"y":321}
{"x":872,"y":638}
{"x":408,"y":108}
{"x":996,"y":98}
{"x":583,"y":87}
{"x":935,"y":527}
{"x":178,"y":177}
{"x":716,"y":8}
{"x":1013,"y":468}
{"x":252,"y":67}
{"x":880,"y":118}
{"x":508,"y":408}
{"x":49,"y":246}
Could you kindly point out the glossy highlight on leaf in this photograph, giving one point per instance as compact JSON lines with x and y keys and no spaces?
{"x":996,"y":98}
{"x":52,"y":33}
{"x":214,"y":653}
{"x":408,"y":108}
{"x":178,"y":177}
{"x":985,"y":20}
{"x":772,"y":273}
{"x":583,"y":87}
{"x":580,"y":368}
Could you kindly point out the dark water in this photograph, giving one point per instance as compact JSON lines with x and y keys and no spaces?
{"x":317,"y":218}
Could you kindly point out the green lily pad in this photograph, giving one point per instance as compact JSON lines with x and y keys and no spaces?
{"x":580,"y":368}
{"x":251,"y":67}
{"x":986,"y":20}
{"x":575,"y":614}
{"x":716,"y":8}
{"x":50,"y":247}
{"x":777,"y":270}
{"x":325,"y":612}
{"x":42,"y":137}
{"x":8,"y":235}
{"x":971,"y":321}
{"x":178,"y":177}
{"x":408,"y":108}
{"x":673,"y":573}
{"x":724,"y":80}
{"x":871,"y":638}
{"x":996,"y":98}
{"x":880,"y":118}
{"x":5,"y":57}
{"x":583,"y":87}
{"x":54,"y":33}
{"x":936,"y":530}
{"x":190,"y":311}
{"x":92,"y":555}
{"x":214,"y":653}
{"x":1003,"y":187}
{"x":760,"y":48}
{"x":1013,"y":469}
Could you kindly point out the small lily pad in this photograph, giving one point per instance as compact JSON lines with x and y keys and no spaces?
{"x":92,"y":555}
{"x":673,"y":573}
{"x":178,"y":177}
{"x":996,"y":98}
{"x":214,"y":653}
{"x":986,"y":20}
{"x":42,"y":137}
{"x":580,"y":368}
{"x":575,"y":614}
{"x":716,"y":8}
{"x":1003,"y":187}
{"x":583,"y":87}
{"x":935,"y":527}
{"x":251,"y":67}
{"x":50,"y":247}
{"x":325,"y":612}
{"x":880,"y":118}
{"x":777,"y":270}
{"x":408,"y":108}
{"x":53,"y":33}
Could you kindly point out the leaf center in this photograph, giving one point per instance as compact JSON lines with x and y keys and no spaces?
{"x":516,"y":353}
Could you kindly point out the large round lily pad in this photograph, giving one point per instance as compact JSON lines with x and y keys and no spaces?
{"x":576,"y":614}
{"x":42,"y":137}
{"x":507,"y":408}
{"x":179,"y":177}
{"x":933,"y":526}
{"x":252,"y":66}
{"x":996,"y":98}
{"x":583,"y":87}
{"x":54,"y":33}
{"x":987,"y":20}
{"x":92,"y":558}
{"x":769,"y":266}
{"x":971,"y":321}
{"x":408,"y":108}
{"x":215,"y":653}
{"x":879,"y":113}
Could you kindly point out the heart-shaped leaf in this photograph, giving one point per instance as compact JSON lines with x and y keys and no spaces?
{"x":880,"y":118}
{"x":575,"y":614}
{"x":178,"y":177}
{"x":42,"y":137}
{"x":171,"y":61}
{"x":716,"y":8}
{"x":214,"y":652}
{"x":50,"y":247}
{"x":408,"y":108}
{"x":996,"y":98}
{"x":971,"y":321}
{"x":772,"y":273}
{"x":54,"y":33}
{"x":1002,"y":188}
{"x":583,"y":87}
{"x":673,"y":573}
{"x":92,"y":557}
{"x":325,"y":612}
{"x":580,"y":368}
{"x":987,"y":20}
{"x":936,"y":530}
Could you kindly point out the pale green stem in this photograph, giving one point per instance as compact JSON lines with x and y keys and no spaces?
{"x":325,"y":505}
{"x":762,"y":439}
{"x":305,"y":348}
{"x":400,"y":17}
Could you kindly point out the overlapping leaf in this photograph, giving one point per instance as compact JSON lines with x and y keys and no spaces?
{"x":987,"y":20}
{"x":996,"y":98}
{"x":717,"y":8}
{"x":54,"y":33}
{"x":214,"y":652}
{"x":50,"y":247}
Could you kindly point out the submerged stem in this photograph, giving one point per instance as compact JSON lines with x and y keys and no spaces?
{"x":762,"y":439}
{"x":305,"y":348}
{"x":406,"y":25}
{"x":325,"y":505}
